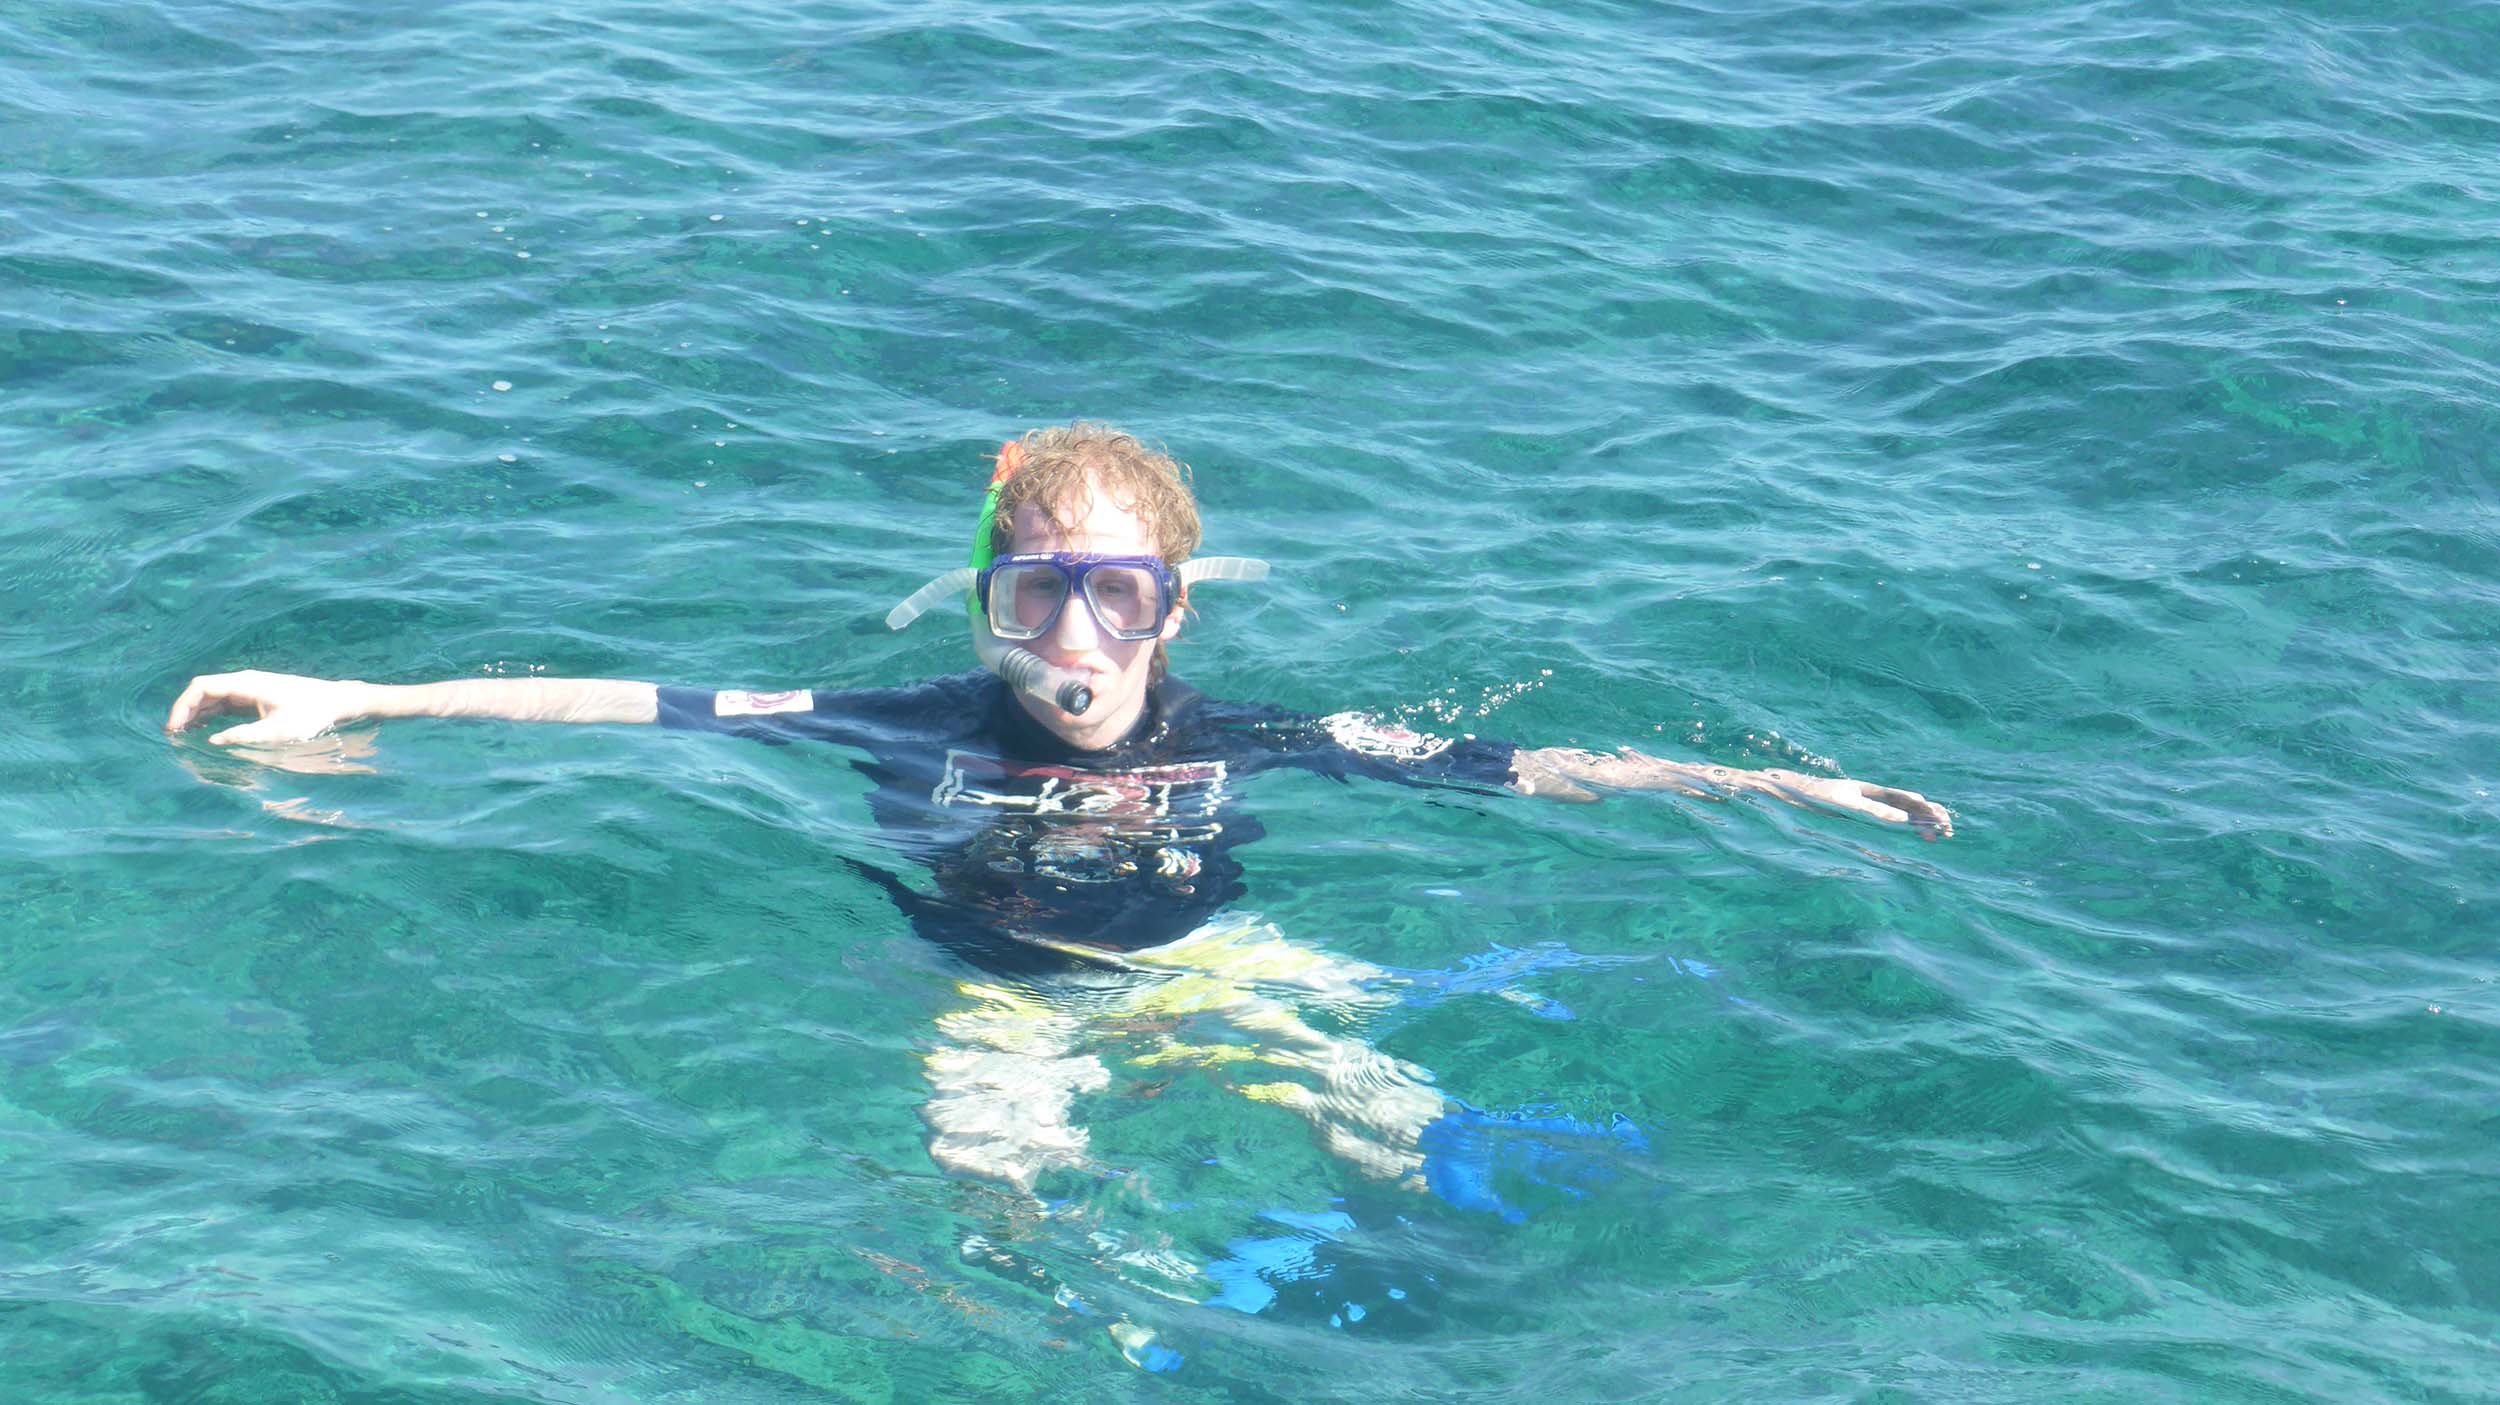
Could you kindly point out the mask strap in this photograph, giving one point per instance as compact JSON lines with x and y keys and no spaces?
{"x":959,"y":580}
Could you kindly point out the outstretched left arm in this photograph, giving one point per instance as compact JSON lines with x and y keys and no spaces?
{"x":1562,"y":773}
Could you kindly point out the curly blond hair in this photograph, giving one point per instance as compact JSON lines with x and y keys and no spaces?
{"x":1064,"y":466}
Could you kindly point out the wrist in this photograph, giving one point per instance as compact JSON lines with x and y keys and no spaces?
{"x":379,"y":700}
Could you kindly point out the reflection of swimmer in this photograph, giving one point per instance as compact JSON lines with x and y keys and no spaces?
{"x":1074,"y":806}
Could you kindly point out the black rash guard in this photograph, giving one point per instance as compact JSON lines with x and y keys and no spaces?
{"x":1037,"y":848}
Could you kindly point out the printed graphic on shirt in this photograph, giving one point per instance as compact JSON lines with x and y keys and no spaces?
{"x":736,"y":703}
{"x":1090,"y":826}
{"x":1365,"y":735}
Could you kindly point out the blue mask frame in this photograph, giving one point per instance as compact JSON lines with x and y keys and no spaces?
{"x":1076,"y":571}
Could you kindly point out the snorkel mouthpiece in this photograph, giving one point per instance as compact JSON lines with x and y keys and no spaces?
{"x":1025,"y":672}
{"x":1020,"y":668}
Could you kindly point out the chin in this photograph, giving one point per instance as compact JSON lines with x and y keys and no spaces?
{"x":1112,"y":696}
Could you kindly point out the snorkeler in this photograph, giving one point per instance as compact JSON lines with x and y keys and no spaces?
{"x":1075,"y":808}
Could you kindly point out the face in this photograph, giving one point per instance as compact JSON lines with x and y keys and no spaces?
{"x":1116,"y":669}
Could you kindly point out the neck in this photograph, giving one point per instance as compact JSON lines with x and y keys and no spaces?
{"x":1095,"y":731}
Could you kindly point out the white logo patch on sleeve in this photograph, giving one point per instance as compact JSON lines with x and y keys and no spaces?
{"x":1365,"y":735}
{"x":737,"y":703}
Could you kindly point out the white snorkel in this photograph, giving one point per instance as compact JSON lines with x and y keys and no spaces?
{"x":1021,"y":668}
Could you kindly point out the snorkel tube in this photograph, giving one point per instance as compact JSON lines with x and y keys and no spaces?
{"x":1021,"y":668}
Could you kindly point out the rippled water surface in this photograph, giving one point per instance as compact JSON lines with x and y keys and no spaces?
{"x":2081,"y":413}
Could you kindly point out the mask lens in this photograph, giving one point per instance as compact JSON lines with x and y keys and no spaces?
{"x":1125,"y":599}
{"x":1025,"y":599}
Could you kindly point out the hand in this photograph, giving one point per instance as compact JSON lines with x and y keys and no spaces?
{"x":1562,"y":773}
{"x":1875,"y":802}
{"x":292,"y":708}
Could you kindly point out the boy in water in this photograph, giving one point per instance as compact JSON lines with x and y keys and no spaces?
{"x":1085,"y":847}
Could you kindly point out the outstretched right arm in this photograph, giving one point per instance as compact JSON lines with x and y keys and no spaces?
{"x":294,"y":708}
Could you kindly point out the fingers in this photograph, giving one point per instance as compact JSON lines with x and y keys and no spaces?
{"x":194,"y":703}
{"x":213,"y":693}
{"x":1875,"y":809}
{"x":1883,"y":804}
{"x":1932,"y":820}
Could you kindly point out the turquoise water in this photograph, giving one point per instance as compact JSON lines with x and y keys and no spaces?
{"x":2080,"y":413}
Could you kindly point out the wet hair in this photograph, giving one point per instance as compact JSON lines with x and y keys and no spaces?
{"x":1065,"y":465}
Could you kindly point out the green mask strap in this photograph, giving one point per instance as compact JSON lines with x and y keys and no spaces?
{"x":983,"y":533}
